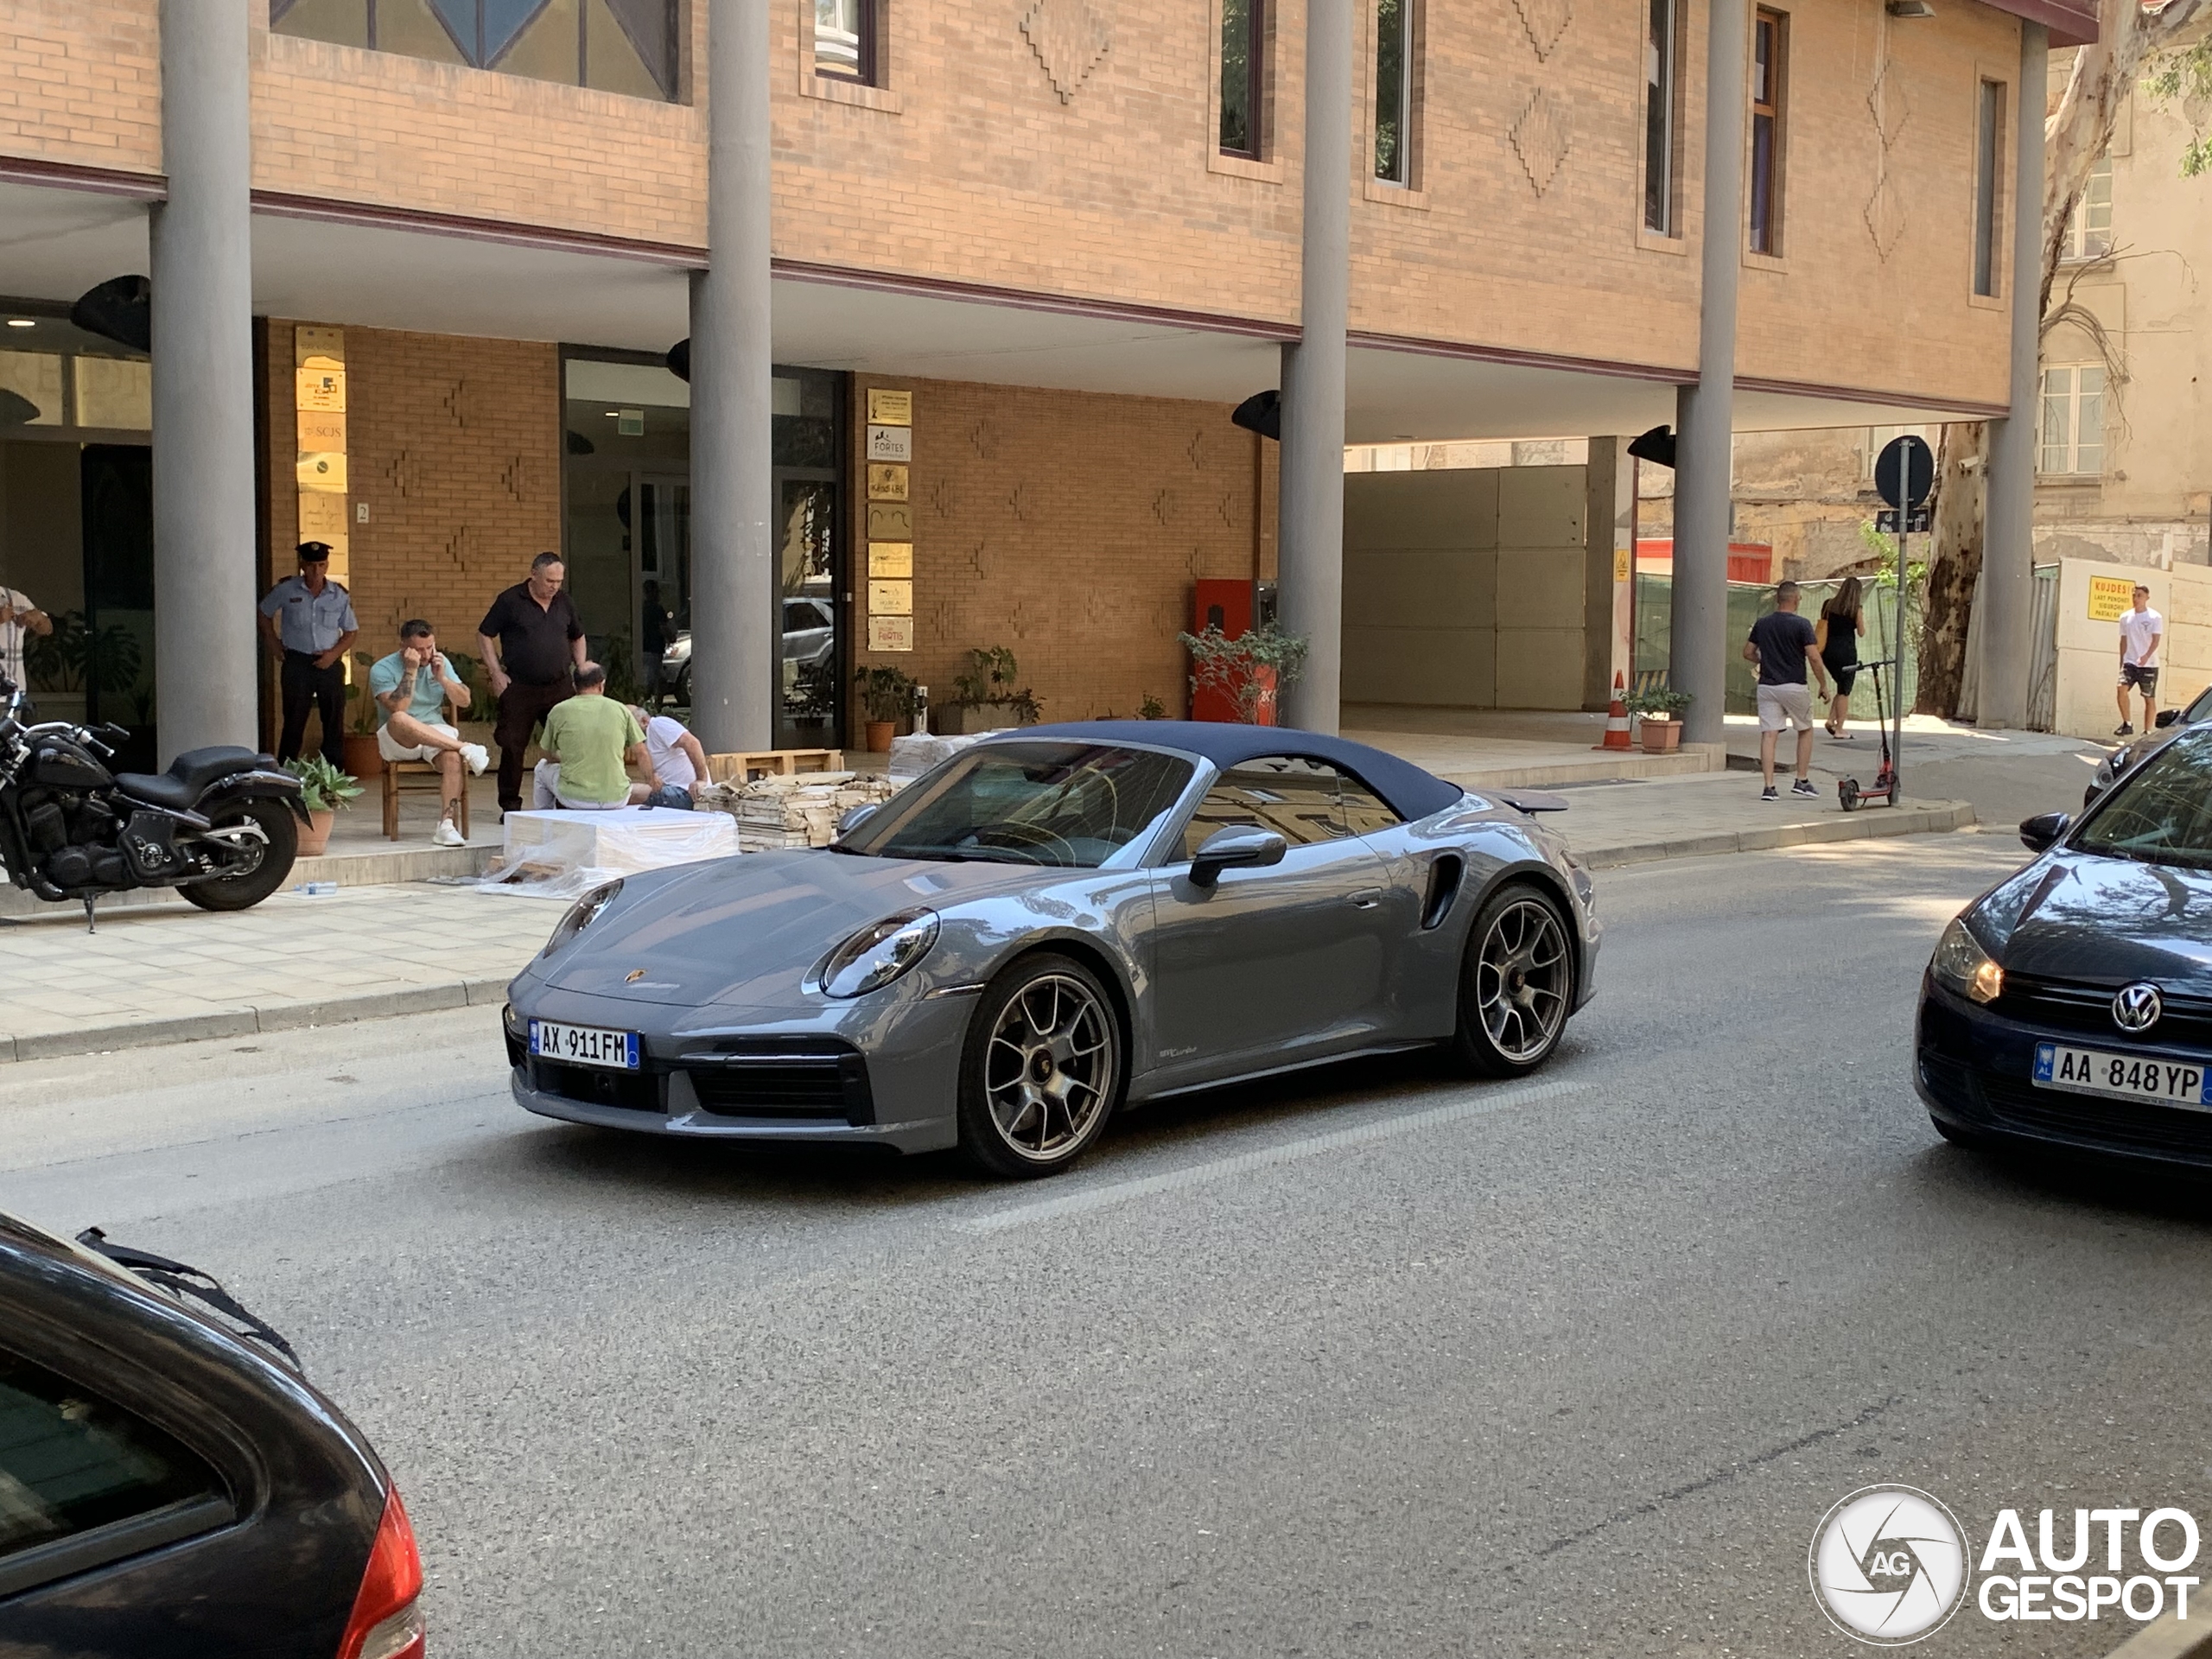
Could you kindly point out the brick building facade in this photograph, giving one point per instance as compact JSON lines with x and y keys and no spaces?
{"x":1028,"y":217}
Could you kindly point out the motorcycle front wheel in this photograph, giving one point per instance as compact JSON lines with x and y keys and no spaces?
{"x":244,"y":891}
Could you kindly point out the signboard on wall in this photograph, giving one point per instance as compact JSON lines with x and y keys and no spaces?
{"x":887,"y":482}
{"x":890,"y":442}
{"x":891,"y":633}
{"x":891,"y":561}
{"x":889,"y":407}
{"x":890,"y":521}
{"x":890,"y":598}
{"x":2110,"y":598}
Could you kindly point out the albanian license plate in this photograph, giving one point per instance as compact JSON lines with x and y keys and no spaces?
{"x":2123,"y":1076}
{"x":584,"y":1045}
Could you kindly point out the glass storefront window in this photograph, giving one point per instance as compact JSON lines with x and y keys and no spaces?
{"x":628,"y":535}
{"x":30,"y":389}
{"x":114,"y":392}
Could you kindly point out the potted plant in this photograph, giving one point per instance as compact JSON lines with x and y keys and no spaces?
{"x":985,"y":697}
{"x":1658,"y":713}
{"x":362,"y":758}
{"x":887,"y":698}
{"x":323,"y":790}
{"x":1249,"y":673}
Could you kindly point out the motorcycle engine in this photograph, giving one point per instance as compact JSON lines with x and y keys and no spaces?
{"x":76,"y":839}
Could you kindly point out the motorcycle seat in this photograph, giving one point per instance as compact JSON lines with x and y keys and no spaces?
{"x":179,"y":787}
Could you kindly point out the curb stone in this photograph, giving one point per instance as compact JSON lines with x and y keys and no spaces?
{"x":1867,"y":825}
{"x":249,"y":1022}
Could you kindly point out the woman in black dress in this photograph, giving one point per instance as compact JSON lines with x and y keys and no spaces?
{"x":1843,"y":619}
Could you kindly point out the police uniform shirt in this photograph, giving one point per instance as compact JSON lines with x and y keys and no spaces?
{"x":310,"y":622}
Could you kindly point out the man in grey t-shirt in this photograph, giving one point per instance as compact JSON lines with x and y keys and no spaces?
{"x":1781,"y":644}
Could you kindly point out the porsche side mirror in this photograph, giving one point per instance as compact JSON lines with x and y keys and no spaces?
{"x":2166,"y":717}
{"x":1240,"y":846}
{"x":2041,"y":832}
{"x":853,"y":817}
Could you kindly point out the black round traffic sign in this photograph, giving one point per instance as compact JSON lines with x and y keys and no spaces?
{"x":1905,"y":471}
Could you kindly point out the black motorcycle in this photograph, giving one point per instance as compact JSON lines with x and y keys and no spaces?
{"x":221,"y":825}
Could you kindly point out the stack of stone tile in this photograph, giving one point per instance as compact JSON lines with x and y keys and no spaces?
{"x":796,"y":811}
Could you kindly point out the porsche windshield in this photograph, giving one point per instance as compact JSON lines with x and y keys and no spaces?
{"x":1015,"y":802}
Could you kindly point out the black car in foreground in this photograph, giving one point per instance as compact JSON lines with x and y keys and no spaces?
{"x":169,"y":1486}
{"x":2071,"y":1005}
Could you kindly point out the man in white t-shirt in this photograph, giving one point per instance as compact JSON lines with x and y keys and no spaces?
{"x":18,"y":617}
{"x":2140,"y":630}
{"x":678,"y":760}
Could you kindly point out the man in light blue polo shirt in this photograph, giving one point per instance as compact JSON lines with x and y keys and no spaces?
{"x":412,"y":687}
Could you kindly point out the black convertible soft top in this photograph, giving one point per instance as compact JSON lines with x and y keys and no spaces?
{"x":1411,"y":792}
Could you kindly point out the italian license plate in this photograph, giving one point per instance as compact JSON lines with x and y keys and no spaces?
{"x":584,"y":1045}
{"x":2123,"y":1076}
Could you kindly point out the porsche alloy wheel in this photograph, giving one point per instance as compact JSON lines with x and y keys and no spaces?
{"x":1043,"y":1068}
{"x":1517,"y":983}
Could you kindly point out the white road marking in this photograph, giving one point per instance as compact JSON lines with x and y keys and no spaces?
{"x":1222,"y":1169}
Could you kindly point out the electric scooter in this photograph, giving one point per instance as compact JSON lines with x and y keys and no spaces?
{"x":1885,"y":786}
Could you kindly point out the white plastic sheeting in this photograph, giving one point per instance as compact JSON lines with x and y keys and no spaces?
{"x":564,"y":854}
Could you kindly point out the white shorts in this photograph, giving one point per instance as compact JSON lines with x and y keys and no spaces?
{"x":390,"y":747}
{"x":1785,"y":705}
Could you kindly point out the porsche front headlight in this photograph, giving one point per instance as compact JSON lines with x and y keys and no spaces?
{"x":1962,"y":965}
{"x":879,"y":953}
{"x":581,"y":915}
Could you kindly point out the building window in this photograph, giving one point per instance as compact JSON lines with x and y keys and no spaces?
{"x":2089,"y":229}
{"x":1394,"y":91}
{"x":1989,"y":174}
{"x":618,"y":45}
{"x":1769,"y":56}
{"x":1243,"y":66}
{"x":849,"y":41}
{"x":2073,"y":419}
{"x":1661,"y":21}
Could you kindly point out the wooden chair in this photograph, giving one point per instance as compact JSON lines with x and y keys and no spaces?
{"x":414,"y":776}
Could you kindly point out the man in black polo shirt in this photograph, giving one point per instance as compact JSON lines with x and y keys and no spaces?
{"x":531,"y":643}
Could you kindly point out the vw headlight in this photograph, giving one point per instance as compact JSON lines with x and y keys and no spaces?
{"x":879,"y":953}
{"x":581,"y":915}
{"x":1963,"y":966}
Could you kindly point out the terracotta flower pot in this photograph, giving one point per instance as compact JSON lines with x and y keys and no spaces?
{"x":1660,"y":736}
{"x":362,"y":758}
{"x":879,"y":734}
{"x":314,"y":840}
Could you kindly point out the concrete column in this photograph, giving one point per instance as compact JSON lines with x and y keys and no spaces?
{"x":1705,"y":412}
{"x":205,"y":654}
{"x":735,"y":618}
{"x":2008,"y":527}
{"x":1311,"y":566}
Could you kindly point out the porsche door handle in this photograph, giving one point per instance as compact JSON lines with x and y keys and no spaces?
{"x":1367,"y":898}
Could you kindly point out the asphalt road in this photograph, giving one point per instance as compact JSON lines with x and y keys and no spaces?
{"x":1379,"y":1364}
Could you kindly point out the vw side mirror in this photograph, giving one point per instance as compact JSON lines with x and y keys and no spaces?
{"x":2166,"y":717}
{"x":1240,"y":846}
{"x":853,"y":817}
{"x":2040,"y":833}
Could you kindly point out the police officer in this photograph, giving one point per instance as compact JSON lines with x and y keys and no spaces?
{"x":310,"y":620}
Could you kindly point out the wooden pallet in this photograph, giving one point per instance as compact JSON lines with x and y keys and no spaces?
{"x":746,"y":764}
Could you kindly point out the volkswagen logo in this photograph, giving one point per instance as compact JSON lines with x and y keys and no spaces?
{"x":2136,"y":1007}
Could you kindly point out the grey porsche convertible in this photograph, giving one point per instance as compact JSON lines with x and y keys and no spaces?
{"x":1054,"y":923}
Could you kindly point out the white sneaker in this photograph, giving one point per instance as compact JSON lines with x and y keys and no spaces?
{"x":448,"y":834}
{"x":477,"y":756}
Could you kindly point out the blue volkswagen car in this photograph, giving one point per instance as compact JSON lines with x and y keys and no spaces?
{"x":2071,"y":1005}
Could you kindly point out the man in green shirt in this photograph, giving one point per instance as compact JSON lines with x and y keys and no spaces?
{"x":588,"y":738}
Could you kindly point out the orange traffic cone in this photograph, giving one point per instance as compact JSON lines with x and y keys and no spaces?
{"x":1616,"y":720}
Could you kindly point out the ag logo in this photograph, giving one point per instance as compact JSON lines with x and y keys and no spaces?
{"x":1888,"y":1565}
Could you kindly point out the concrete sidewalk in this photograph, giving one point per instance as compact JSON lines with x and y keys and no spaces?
{"x":169,"y":973}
